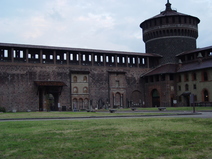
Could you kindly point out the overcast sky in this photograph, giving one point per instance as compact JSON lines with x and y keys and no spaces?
{"x":93,"y":24}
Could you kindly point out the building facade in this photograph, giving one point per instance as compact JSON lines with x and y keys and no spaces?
{"x":172,"y":72}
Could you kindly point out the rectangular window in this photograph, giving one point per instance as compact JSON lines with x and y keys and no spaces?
{"x":64,"y":56}
{"x":195,"y":86}
{"x":101,"y":58}
{"x":186,"y":77}
{"x":44,"y":56}
{"x":128,"y":60}
{"x":179,"y":78}
{"x":118,"y":60}
{"x":171,"y":77}
{"x":123,"y":59}
{"x":89,"y":57}
{"x":36,"y":56}
{"x":58,"y":57}
{"x":83,"y":58}
{"x":112,"y":59}
{"x":133,"y":60}
{"x":71,"y":57}
{"x":21,"y":54}
{"x":51,"y":57}
{"x":95,"y":58}
{"x":5,"y":53}
{"x":107,"y":59}
{"x":143,"y":61}
{"x":14,"y":53}
{"x":77,"y":57}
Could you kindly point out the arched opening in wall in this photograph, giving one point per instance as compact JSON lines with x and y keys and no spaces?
{"x":80,"y":103}
{"x":85,"y":79}
{"x":155,"y":98}
{"x":85,"y":90}
{"x":75,"y":79}
{"x":51,"y":101}
{"x":86,"y":103}
{"x":75,"y":104}
{"x":75,"y":90}
{"x":117,"y":100}
{"x":205,"y":95}
{"x":136,"y":98}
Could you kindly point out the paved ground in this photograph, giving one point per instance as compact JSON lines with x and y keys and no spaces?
{"x":176,"y":115}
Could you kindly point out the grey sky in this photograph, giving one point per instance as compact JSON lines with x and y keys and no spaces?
{"x":93,"y":24}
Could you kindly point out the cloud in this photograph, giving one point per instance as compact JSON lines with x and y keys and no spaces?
{"x":95,"y":24}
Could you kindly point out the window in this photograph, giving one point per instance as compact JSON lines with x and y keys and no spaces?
{"x":179,"y":88}
{"x":75,"y":90}
{"x":195,"y":86}
{"x":179,"y":78}
{"x":151,"y":79}
{"x":194,"y":76}
{"x":64,"y":55}
{"x":205,"y":76}
{"x":95,"y":58}
{"x":101,"y":58}
{"x":83,"y":58}
{"x":163,"y":77}
{"x":186,"y":87}
{"x":71,"y":57}
{"x":21,"y":54}
{"x":36,"y":56}
{"x":118,"y":60}
{"x":112,"y":59}
{"x":186,"y":77}
{"x":75,"y":79}
{"x":85,"y":79}
{"x":89,"y":58}
{"x":5,"y":53}
{"x":206,"y":96}
{"x":171,"y":77}
{"x":123,"y":59}
{"x":157,"y":77}
{"x":85,"y":90}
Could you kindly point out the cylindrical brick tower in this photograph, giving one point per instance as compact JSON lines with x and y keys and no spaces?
{"x":170,"y":33}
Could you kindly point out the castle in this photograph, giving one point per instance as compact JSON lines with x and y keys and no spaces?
{"x":172,"y":72}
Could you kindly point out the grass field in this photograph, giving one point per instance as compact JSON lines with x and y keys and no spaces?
{"x":155,"y":138}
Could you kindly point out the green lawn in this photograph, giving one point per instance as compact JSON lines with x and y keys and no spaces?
{"x":19,"y":115}
{"x":155,"y":138}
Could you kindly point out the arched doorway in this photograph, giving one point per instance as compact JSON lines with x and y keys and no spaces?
{"x":75,"y":104}
{"x":80,"y":103}
{"x":51,"y":102}
{"x":155,"y":98}
{"x":117,"y":100}
{"x":205,"y":95}
{"x":86,"y":104}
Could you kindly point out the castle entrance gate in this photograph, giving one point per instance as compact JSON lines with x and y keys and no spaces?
{"x":49,"y":92}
